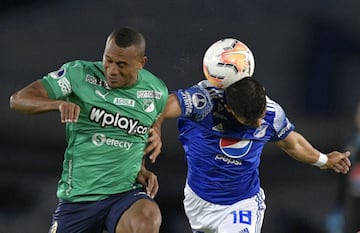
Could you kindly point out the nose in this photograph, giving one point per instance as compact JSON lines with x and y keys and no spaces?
{"x":113,"y":70}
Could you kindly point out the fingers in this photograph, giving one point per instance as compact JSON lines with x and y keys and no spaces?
{"x":152,"y":187}
{"x":154,"y":154}
{"x":69,"y":112}
{"x":346,"y":154}
{"x":341,"y":167}
{"x":343,"y":164}
{"x":153,"y":148}
{"x":149,"y":180}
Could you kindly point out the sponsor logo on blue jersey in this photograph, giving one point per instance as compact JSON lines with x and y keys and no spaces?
{"x":234,"y":148}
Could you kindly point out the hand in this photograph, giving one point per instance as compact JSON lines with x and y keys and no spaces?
{"x":154,"y":144}
{"x":149,"y":180}
{"x":338,"y":161}
{"x":69,"y":112}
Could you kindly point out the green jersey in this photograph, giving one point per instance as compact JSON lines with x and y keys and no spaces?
{"x":106,"y":145}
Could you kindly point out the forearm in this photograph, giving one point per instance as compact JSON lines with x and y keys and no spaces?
{"x":299,"y":148}
{"x":33,"y":105}
{"x":33,"y":99}
{"x":172,"y":110}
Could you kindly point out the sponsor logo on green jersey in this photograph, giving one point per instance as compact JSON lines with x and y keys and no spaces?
{"x":104,"y":119}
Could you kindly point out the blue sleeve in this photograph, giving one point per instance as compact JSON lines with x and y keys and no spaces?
{"x":281,"y":123}
{"x":195,"y":102}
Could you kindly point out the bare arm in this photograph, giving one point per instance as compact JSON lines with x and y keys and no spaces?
{"x":33,"y":99}
{"x":300,"y":149}
{"x":172,"y":110}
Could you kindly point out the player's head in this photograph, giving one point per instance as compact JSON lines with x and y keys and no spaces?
{"x":124,"y":55}
{"x":246,"y":100}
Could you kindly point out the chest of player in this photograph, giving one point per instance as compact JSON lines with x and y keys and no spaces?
{"x":126,"y":109}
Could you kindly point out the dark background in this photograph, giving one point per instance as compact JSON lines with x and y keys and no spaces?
{"x":306,"y":53}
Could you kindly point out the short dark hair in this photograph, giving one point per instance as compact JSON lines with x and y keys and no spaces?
{"x":246,"y":98}
{"x":128,"y":36}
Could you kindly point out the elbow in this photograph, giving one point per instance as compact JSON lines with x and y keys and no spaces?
{"x":12,"y":102}
{"x":15,"y":104}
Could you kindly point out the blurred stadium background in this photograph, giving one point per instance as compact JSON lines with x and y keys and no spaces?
{"x":307,"y":55}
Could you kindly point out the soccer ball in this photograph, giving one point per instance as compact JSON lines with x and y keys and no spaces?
{"x":227,"y":61}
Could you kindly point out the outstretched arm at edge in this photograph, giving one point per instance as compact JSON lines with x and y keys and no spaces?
{"x":300,"y":149}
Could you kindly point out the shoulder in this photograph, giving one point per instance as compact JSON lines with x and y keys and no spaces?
{"x":276,"y":116}
{"x":274,"y":112}
{"x":79,"y":69}
{"x":82,"y":64}
{"x":147,"y":76}
{"x":76,"y":67}
{"x":273,"y":106}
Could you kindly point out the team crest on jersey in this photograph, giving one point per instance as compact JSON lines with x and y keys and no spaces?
{"x":149,"y":105}
{"x":260,"y":132}
{"x":199,"y":100}
{"x":58,"y":74}
{"x":234,"y":148}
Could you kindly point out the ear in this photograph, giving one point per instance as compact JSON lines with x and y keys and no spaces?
{"x":143,"y":61}
{"x":258,"y":122}
{"x":228,"y":108}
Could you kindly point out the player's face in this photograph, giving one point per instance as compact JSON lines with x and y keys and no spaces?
{"x":244,"y":121}
{"x":121,"y":65}
{"x":253,"y":123}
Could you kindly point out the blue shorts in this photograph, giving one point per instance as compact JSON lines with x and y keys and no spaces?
{"x":94,"y":216}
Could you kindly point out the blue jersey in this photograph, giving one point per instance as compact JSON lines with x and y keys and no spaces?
{"x":222,"y":155}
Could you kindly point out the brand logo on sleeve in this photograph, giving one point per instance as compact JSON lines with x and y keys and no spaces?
{"x":64,"y":85}
{"x":58,"y":74}
{"x":199,"y":100}
{"x":187,"y":102}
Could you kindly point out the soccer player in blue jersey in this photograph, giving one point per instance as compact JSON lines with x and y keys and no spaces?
{"x":223,"y":133}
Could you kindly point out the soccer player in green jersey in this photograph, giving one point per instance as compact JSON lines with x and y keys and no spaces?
{"x":109,"y":108}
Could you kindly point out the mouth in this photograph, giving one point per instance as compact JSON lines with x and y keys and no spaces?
{"x":113,"y":79}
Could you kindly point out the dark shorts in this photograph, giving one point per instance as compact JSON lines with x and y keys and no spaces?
{"x":94,"y":216}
